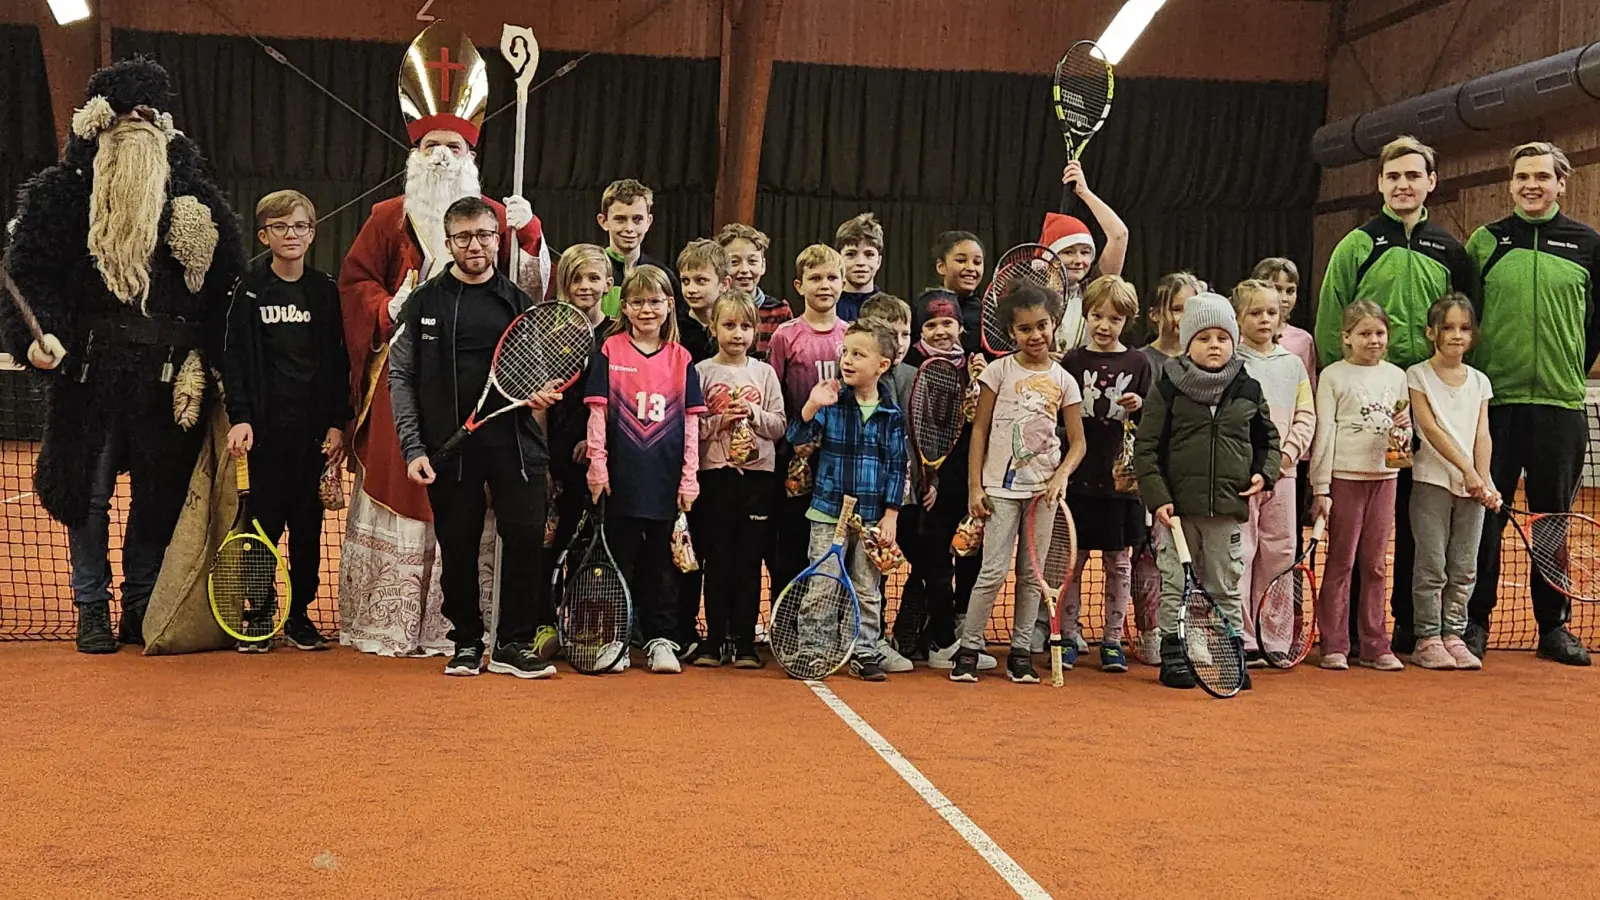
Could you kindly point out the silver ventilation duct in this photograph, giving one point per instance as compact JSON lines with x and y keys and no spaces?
{"x":1518,"y":94}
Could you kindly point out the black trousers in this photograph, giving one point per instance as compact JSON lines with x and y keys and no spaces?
{"x":734,"y":524}
{"x":1545,"y":443}
{"x":1400,"y":602}
{"x":571,"y":503}
{"x":792,"y":533}
{"x":285,"y":474}
{"x":943,"y":582}
{"x":459,"y":504}
{"x":643,"y":551}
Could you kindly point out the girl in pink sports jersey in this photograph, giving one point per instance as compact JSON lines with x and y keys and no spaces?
{"x":644,"y":450}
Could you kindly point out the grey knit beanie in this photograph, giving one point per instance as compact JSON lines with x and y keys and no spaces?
{"x":1204,"y":311}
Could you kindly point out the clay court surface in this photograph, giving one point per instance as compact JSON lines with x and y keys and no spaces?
{"x":342,"y":775}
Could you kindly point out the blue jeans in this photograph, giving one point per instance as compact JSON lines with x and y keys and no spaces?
{"x":89,"y":543}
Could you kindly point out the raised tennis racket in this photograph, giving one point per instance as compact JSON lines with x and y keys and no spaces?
{"x":1212,"y":646}
{"x":938,"y":398}
{"x":816,"y":621}
{"x":249,"y":582}
{"x":1023,"y":263}
{"x":1081,"y":97}
{"x":544,"y":349}
{"x":596,"y":608}
{"x":1287,"y":609}
{"x":1052,"y":564}
{"x":1565,"y":549}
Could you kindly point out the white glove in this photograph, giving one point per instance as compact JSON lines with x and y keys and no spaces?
{"x":398,"y":301}
{"x":47,"y":352}
{"x":518,"y":212}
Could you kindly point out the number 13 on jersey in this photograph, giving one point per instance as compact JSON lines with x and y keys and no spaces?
{"x":651,"y":407}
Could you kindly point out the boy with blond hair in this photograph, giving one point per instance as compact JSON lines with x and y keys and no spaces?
{"x":859,"y":241}
{"x":747,"y":262}
{"x":626,"y":214}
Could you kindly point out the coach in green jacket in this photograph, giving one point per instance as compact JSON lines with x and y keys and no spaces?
{"x":1537,"y":339}
{"x":1403,"y":262}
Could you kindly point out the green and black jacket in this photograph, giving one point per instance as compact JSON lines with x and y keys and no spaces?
{"x":1403,"y":273}
{"x":1200,"y":458}
{"x":1538,"y":333}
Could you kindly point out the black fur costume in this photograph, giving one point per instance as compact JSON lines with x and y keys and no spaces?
{"x":49,"y":261}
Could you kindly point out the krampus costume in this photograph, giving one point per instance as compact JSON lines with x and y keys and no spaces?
{"x":126,"y":252}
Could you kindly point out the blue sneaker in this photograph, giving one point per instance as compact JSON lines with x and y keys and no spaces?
{"x":1069,"y":653}
{"x":1112,"y":659}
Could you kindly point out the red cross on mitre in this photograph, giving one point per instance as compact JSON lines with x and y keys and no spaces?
{"x":444,"y":67}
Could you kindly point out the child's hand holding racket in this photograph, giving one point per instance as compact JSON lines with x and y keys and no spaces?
{"x":1057,"y":486}
{"x":1072,"y":176}
{"x":1164,"y":514}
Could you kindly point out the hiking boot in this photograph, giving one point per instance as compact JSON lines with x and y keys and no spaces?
{"x":1562,"y":646}
{"x":302,"y":635}
{"x":1459,"y":652}
{"x":1476,"y":637}
{"x":1175,"y":672}
{"x":131,"y":629}
{"x":520,"y":661}
{"x":94,"y":628}
{"x":868,"y":669}
{"x":964,"y":667}
{"x":1431,"y":654}
{"x":1019,"y":666}
{"x":467,"y":660}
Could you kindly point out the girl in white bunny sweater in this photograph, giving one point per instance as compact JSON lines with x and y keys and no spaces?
{"x":1115,"y":380}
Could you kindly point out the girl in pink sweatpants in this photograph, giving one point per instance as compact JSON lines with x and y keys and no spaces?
{"x":1358,"y":404}
{"x":1268,"y":537}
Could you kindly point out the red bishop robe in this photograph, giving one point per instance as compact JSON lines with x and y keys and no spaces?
{"x":385,"y":250}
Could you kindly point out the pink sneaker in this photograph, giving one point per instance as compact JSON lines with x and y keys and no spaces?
{"x":1337,"y":662}
{"x":1457,"y":648}
{"x":1386,"y":662}
{"x":1431,"y":654}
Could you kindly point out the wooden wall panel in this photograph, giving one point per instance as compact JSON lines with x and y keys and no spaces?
{"x":1284,"y":40}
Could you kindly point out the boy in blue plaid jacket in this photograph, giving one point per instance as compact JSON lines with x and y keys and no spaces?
{"x":859,"y":442}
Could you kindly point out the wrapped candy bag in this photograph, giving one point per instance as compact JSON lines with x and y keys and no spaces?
{"x":330,"y":490}
{"x":884,"y":554}
{"x":968,"y":537}
{"x":741,"y":443}
{"x":1122,"y":477}
{"x":682,"y":547}
{"x":1398,"y":453}
{"x":798,"y":481}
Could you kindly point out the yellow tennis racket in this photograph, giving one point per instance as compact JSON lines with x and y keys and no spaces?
{"x":249,"y":582}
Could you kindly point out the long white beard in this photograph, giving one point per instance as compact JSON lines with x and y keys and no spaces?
{"x":125,"y":202}
{"x":434,"y":181}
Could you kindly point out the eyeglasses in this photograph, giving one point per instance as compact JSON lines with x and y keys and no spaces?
{"x":463,"y":239}
{"x":283,"y":229}
{"x":646,"y":303}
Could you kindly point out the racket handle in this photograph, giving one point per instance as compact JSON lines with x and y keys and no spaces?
{"x":1055,"y":663}
{"x":241,"y":473}
{"x":1181,"y":542}
{"x":846,"y":510}
{"x":448,"y":448}
{"x":1317,"y":528}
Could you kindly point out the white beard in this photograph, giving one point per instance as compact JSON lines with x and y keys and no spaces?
{"x":433,"y":182}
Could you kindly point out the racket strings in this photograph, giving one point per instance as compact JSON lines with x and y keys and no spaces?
{"x":1082,"y":91}
{"x":246,"y":582}
{"x":1033,"y":263}
{"x":936,"y":411}
{"x":814,"y":627}
{"x":1566,"y":552}
{"x":1212,"y":645}
{"x":1061,"y":553}
{"x":596,"y":616}
{"x":545,"y":348}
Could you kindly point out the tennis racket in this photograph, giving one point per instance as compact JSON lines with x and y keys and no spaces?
{"x":1288,"y":607}
{"x":596,"y":608}
{"x":938,"y":396}
{"x":816,"y":621}
{"x":1053,"y":564}
{"x":248,"y":576}
{"x":1025,"y":262}
{"x":1565,"y":549}
{"x":1144,"y":586}
{"x":544,"y":349}
{"x":1081,"y":97}
{"x":1212,"y":647}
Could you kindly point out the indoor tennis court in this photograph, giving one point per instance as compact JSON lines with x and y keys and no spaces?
{"x":1213,"y":136}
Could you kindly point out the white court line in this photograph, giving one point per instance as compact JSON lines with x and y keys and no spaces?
{"x":998,"y":859}
{"x":23,"y":496}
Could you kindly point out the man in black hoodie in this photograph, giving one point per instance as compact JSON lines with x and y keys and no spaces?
{"x":439,"y":362}
{"x":286,"y":376}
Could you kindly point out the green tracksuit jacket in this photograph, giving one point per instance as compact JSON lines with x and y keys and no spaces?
{"x":1538,"y":333}
{"x":1403,"y":273}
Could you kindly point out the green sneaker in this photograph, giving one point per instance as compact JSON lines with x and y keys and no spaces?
{"x":546,"y":642}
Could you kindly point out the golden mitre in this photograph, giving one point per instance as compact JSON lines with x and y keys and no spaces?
{"x":443,"y":84}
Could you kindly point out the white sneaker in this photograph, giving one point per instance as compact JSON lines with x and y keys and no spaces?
{"x":1149,"y":649}
{"x":1199,"y":651}
{"x":946,"y":659}
{"x":893,"y":661}
{"x":663,"y":656}
{"x":1077,"y":638}
{"x":621,"y":665}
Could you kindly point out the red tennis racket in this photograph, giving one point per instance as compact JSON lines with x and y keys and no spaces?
{"x":544,"y":349}
{"x":938,"y":396}
{"x":1287,"y":608}
{"x":1053,"y":564}
{"x":1565,"y":549}
{"x":1034,"y":263}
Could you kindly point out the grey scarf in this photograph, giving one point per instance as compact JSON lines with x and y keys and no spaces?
{"x":1201,"y":386}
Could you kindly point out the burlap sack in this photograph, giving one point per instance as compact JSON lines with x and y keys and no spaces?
{"x":179,"y":618}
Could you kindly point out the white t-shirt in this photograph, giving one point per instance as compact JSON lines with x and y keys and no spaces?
{"x":1024,"y":449}
{"x":1457,"y":410}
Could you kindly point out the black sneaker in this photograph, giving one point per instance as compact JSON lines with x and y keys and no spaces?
{"x":1255,"y":659}
{"x":689,"y":647}
{"x":1404,"y":641}
{"x":1245,"y":684}
{"x":1476,"y":638}
{"x":746,"y":657}
{"x":867,"y":668}
{"x":707,"y":657}
{"x":510,"y":659}
{"x":726,"y":656}
{"x":302,"y":635}
{"x":965,"y":668}
{"x":131,"y":629}
{"x":467,"y":660}
{"x":1019,"y":666}
{"x":94,"y":628}
{"x":1175,"y":672}
{"x":1277,"y":659}
{"x":1562,"y":646}
{"x":254,"y":646}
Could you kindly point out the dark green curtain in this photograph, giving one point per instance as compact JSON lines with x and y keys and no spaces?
{"x":263,"y":127}
{"x":27,"y":140}
{"x":1208,"y":176}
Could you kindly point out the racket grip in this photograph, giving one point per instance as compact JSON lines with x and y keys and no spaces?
{"x":449,"y":448}
{"x":241,"y":473}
